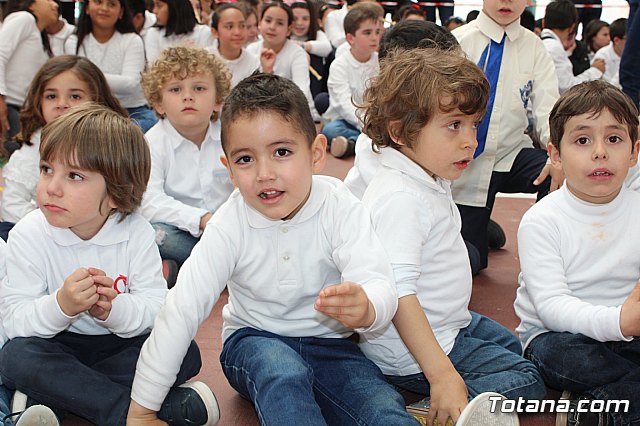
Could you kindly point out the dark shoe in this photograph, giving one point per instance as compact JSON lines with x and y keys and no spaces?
{"x":191,"y":403}
{"x":474,"y":258}
{"x":342,"y":147}
{"x":496,"y":236}
{"x":36,"y":415}
{"x":575,"y":418}
{"x":170,"y":272}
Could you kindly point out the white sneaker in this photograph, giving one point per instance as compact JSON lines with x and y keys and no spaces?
{"x":479,"y":412}
{"x":37,"y":415}
{"x":19,"y":402}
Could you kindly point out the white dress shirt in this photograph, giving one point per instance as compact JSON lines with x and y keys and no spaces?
{"x":21,"y":176}
{"x":274,"y":271}
{"x":155,"y":40}
{"x":41,"y":257}
{"x":427,"y":253}
{"x":186,"y":182}
{"x":334,"y":27}
{"x":526,"y":76}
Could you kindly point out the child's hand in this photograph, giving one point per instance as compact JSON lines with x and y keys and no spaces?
{"x":138,"y":415}
{"x":78,"y":293}
{"x":557,"y":177}
{"x":630,"y":314}
{"x":599,"y":64}
{"x":204,"y":219}
{"x":267,"y":60}
{"x":448,"y":397}
{"x":104,"y":287}
{"x":347,"y":303}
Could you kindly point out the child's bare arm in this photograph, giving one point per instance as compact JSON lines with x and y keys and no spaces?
{"x":630,"y":313}
{"x":347,"y":303}
{"x":448,"y":391}
{"x":78,"y":293}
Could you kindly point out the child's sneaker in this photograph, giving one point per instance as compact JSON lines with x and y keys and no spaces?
{"x":342,"y":147}
{"x":484,"y":410}
{"x":191,"y":403}
{"x":575,"y":418}
{"x":36,"y":415}
{"x":18,"y":402}
{"x":170,"y":271}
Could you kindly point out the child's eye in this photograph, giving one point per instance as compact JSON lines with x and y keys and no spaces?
{"x":76,"y":97}
{"x":454,"y":126}
{"x":614,"y":139}
{"x":174,"y":89}
{"x":50,"y":96}
{"x":44,"y":169}
{"x":582,"y":141}
{"x":244,"y":159}
{"x":76,"y":176}
{"x":200,"y":88}
{"x":282,"y":152}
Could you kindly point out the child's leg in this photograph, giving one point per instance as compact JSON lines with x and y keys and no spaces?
{"x":264,"y":369}
{"x":602,"y":370}
{"x":340,"y":128}
{"x":486,"y":356}
{"x":174,"y":243}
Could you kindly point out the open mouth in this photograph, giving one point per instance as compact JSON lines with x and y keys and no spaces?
{"x":601,"y":173}
{"x":267,"y":195}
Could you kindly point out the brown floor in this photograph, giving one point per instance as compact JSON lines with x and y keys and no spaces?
{"x":493,"y":295}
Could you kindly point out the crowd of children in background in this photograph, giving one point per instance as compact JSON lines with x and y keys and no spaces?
{"x":175,"y":145}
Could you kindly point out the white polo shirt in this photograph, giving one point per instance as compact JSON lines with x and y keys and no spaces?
{"x":41,"y":257}
{"x":274,"y":271}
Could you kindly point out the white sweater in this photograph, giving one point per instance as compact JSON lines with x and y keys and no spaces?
{"x":241,"y":67}
{"x":579,"y":263}
{"x":155,"y":40}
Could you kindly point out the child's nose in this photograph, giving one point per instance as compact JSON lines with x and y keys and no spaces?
{"x":599,"y":151}
{"x":54,"y":186}
{"x":265,"y":171}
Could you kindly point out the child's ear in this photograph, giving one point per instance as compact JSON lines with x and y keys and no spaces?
{"x":349,"y":38}
{"x":394,"y":131}
{"x":225,"y":163}
{"x":158,"y":108}
{"x":214,"y":32}
{"x":318,"y":153}
{"x":554,"y":156}
{"x":634,"y":154}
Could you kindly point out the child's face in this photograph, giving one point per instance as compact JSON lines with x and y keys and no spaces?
{"x":271,"y":163}
{"x":595,"y":155}
{"x":189,"y":103}
{"x":232,"y":32}
{"x":46,"y":11}
{"x":161,"y":10}
{"x":618,"y":45}
{"x":504,"y":12}
{"x":104,"y":13}
{"x":366,"y":40}
{"x":274,"y":27}
{"x":62,"y":92}
{"x":601,"y":39}
{"x":252,"y":28}
{"x":73,"y":198}
{"x":301,"y":21}
{"x":445,"y":145}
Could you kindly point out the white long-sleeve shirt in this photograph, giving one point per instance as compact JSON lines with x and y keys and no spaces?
{"x":291,"y":63}
{"x":186,"y":182}
{"x":274,"y":270}
{"x":334,"y":27}
{"x":579,"y":265}
{"x":41,"y":257}
{"x":611,"y":64}
{"x":321,"y":46}
{"x":564,"y":68}
{"x":527,"y":76}
{"x":347,"y":81}
{"x":155,"y":40}
{"x":242,"y":67}
{"x":121,"y":59}
{"x":365,"y":167}
{"x":427,"y":253}
{"x":21,"y":56}
{"x":21,"y":176}
{"x":57,"y":40}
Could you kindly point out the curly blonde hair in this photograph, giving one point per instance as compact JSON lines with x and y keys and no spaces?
{"x":416,"y":84}
{"x":183,"y":62}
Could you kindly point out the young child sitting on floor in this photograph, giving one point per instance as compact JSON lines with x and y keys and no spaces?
{"x":303,"y":267}
{"x":435,"y":346}
{"x":579,"y":297}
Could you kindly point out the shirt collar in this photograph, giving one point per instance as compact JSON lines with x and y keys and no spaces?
{"x":111,"y":233}
{"x":319,"y":192}
{"x":176,"y":139}
{"x":392,"y":158}
{"x":495,"y":31}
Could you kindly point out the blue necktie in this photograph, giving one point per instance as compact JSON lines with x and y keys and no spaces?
{"x":490,"y":61}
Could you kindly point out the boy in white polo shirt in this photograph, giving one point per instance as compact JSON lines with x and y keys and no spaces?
{"x":579,"y":297}
{"x":84,"y":280}
{"x":436,"y":346}
{"x":303,"y":267}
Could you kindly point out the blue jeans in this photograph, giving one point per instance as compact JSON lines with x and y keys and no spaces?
{"x":488,"y":358}
{"x":5,"y":401}
{"x":340,"y":128}
{"x":144,"y":117}
{"x":89,"y":376}
{"x":309,"y":381}
{"x":174,"y":243}
{"x":602,"y":370}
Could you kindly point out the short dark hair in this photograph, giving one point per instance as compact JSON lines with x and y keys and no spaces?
{"x":472,"y":16}
{"x":527,"y":20}
{"x":263,"y":93}
{"x":408,"y":9}
{"x":618,"y":28}
{"x":182,"y":18}
{"x":360,"y":13}
{"x":592,"y":97}
{"x":413,"y":34}
{"x":137,"y":6}
{"x":560,"y":14}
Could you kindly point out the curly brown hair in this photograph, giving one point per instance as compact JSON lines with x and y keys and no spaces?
{"x":183,"y":62}
{"x":416,"y":84}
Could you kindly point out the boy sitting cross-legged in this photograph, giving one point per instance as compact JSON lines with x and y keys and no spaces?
{"x":579,"y":297}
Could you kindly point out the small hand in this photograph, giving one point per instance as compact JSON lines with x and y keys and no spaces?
{"x":448,"y":397}
{"x":104,"y":287}
{"x":78,"y":293}
{"x":138,"y":415}
{"x":557,"y":177}
{"x":267,"y":60}
{"x":347,"y":303}
{"x":204,"y":219}
{"x":598,"y":64}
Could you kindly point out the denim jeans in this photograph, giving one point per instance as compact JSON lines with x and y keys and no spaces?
{"x":174,"y":243}
{"x":340,"y":128}
{"x":5,"y":401}
{"x":309,"y":381}
{"x":144,"y":117}
{"x":89,"y":376}
{"x":601,"y":370}
{"x":488,"y":358}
